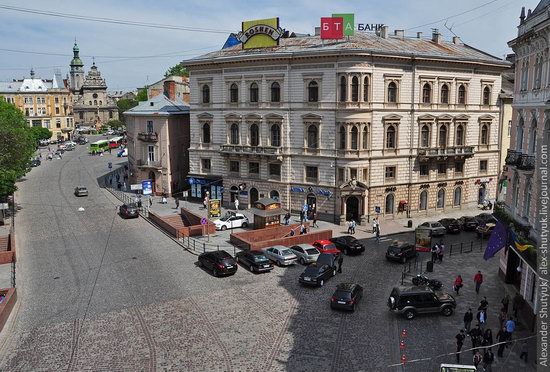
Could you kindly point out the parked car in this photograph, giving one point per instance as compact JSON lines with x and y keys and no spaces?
{"x":231,"y":221}
{"x":326,"y":246}
{"x":410,"y":301}
{"x":346,"y":296}
{"x":318,"y":272}
{"x":256,"y":261}
{"x":130,"y":210}
{"x":400,"y":251}
{"x":82,"y":140}
{"x":281,"y":255}
{"x":219,"y":262}
{"x":81,"y":191}
{"x":435,"y":227}
{"x":43,"y":142}
{"x":451,"y":225}
{"x":486,"y":218}
{"x":484,"y":231}
{"x":468,"y":223}
{"x":306,"y":253}
{"x":35,"y":162}
{"x":348,"y":244}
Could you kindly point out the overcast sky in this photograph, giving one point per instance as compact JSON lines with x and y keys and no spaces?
{"x":116,"y":47}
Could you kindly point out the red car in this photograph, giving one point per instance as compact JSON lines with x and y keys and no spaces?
{"x":326,"y":246}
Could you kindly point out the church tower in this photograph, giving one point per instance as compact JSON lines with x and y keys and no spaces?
{"x":77,"y":70}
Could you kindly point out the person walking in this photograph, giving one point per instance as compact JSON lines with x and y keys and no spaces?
{"x":378,"y":234}
{"x":505,"y":302}
{"x":510,"y":328}
{"x":435,"y":248}
{"x":441,"y":252}
{"x":340,"y":262}
{"x":236,"y":204}
{"x":150,"y":201}
{"x":302,"y":229}
{"x":502,"y":337}
{"x":488,"y":359}
{"x":302,"y":217}
{"x":459,"y":342}
{"x":287,"y":218}
{"x":481,"y":319}
{"x":483,"y":303}
{"x":164,"y":201}
{"x":475,"y":335}
{"x":477,"y":358}
{"x":315,"y":219}
{"x":458,"y":284}
{"x":468,"y":317}
{"x":501,"y":318}
{"x":374,"y":225}
{"x":478,"y":279}
{"x":353,"y":225}
{"x":349,"y":227}
{"x":177,"y":203}
{"x":524,"y":349}
{"x":488,"y":336}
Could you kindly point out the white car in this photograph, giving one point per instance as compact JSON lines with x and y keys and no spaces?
{"x":110,"y":132}
{"x":231,"y":221}
{"x":281,"y":255}
{"x":306,"y":253}
{"x":435,"y":227}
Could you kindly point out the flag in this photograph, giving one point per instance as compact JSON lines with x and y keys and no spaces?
{"x":519,"y":243}
{"x":497,"y":240}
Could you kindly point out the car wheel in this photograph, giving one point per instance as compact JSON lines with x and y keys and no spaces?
{"x":415,"y":281}
{"x":353,"y":308}
{"x":199,"y":263}
{"x":447,"y":311}
{"x":252,"y":268}
{"x":237,"y":259}
{"x":244,"y":225}
{"x":409,"y":314}
{"x":321,"y":283}
{"x":302,"y":261}
{"x":279,"y":263}
{"x":223,"y":228}
{"x":346,"y":251}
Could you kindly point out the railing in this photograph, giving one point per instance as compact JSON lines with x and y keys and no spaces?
{"x":526,"y":162}
{"x":446,"y":151}
{"x":148,"y":163}
{"x":466,"y":247}
{"x":148,"y":137}
{"x":512,"y":157}
{"x":261,"y":150}
{"x":199,"y":246}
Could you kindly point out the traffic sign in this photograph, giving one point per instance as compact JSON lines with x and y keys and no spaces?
{"x":377,"y":209}
{"x":204,"y":221}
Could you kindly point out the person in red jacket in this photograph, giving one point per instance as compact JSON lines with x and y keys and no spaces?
{"x":458,"y":284}
{"x":478,"y":279}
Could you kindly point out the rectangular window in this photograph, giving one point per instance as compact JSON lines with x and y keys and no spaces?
{"x":353,"y":173}
{"x":390,"y":172}
{"x":341,"y":174}
{"x":424,"y":170}
{"x":509,"y":128}
{"x":206,"y":165}
{"x":149,"y":126}
{"x":365,"y":174}
{"x":459,"y":167}
{"x":58,"y":123}
{"x":56,"y":100}
{"x":151,"y":153}
{"x":57,"y":110}
{"x":81,"y":115}
{"x":47,"y":124}
{"x":483,"y":166}
{"x":275,"y":171}
{"x":312,"y":174}
{"x":442,"y":168}
{"x":234,"y":166}
{"x":254,"y":168}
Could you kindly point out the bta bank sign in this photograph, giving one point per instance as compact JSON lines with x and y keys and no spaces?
{"x":340,"y":25}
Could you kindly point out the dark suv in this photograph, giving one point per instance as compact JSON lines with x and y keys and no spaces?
{"x":451,"y":225}
{"x":348,"y":244}
{"x":400,"y":251}
{"x":220,"y":262}
{"x":410,"y":301}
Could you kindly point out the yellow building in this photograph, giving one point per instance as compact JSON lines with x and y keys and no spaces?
{"x":45,"y":103}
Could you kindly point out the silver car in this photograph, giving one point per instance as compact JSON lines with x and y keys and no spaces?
{"x":306,"y":253}
{"x":435,"y":227}
{"x":281,"y":255}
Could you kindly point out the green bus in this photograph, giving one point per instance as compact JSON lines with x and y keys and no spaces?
{"x":97,"y":147}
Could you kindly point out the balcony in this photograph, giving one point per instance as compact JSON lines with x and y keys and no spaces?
{"x":445,"y":152}
{"x":148,"y":137}
{"x":148,"y":163}
{"x":512,"y":157}
{"x":250,"y":150}
{"x":526,"y":162}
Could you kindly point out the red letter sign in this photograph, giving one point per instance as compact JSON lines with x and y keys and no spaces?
{"x":332,"y":28}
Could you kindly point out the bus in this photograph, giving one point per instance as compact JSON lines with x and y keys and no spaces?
{"x":457,"y":368}
{"x":115,"y":142}
{"x":101,"y":145}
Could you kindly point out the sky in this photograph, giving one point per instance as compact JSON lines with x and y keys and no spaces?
{"x":131,"y":56}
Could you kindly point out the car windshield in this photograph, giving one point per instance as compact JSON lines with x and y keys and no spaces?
{"x":287,"y":252}
{"x":342,"y":294}
{"x":329,"y":246}
{"x":132,"y":205}
{"x":350,"y":239}
{"x":224,"y":218}
{"x":311,"y":270}
{"x":260,"y":258}
{"x":312,"y":251}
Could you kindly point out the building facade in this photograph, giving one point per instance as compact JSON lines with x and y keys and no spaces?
{"x":505,"y":99}
{"x":178,"y":84}
{"x":45,"y":103}
{"x":357,"y":128}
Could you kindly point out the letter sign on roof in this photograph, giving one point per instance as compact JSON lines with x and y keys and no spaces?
{"x":332,"y":28}
{"x":349,"y":23}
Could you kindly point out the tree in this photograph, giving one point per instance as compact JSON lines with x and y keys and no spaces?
{"x":142,"y":94}
{"x":17,"y":146}
{"x":41,"y":133}
{"x":177,"y":70}
{"x":115,"y":124}
{"x":125,"y":105}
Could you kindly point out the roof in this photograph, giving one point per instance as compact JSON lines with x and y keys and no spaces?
{"x":507,"y":87}
{"x":366,"y":43}
{"x":541,"y":6}
{"x":159,"y":105}
{"x":32,"y":85}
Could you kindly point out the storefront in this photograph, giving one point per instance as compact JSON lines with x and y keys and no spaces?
{"x":200,"y":186}
{"x":267,"y":213}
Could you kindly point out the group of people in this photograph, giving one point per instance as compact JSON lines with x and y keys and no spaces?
{"x":438,"y":250}
{"x":376,"y":229}
{"x":351,"y":226}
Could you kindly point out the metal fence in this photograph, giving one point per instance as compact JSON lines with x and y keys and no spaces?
{"x":465,"y":247}
{"x":200,"y":246}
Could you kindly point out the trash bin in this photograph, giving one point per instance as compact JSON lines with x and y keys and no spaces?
{"x":430,"y":266}
{"x":410,"y":223}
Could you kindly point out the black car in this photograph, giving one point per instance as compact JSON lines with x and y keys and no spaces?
{"x":451,"y":225}
{"x":130,"y":210}
{"x":409,"y":301}
{"x":468,"y":223}
{"x":485,"y":218}
{"x":318,"y":272}
{"x":256,"y":261}
{"x":346,"y":296}
{"x":35,"y":162}
{"x":348,"y":244}
{"x":219,"y":262}
{"x":400,"y":251}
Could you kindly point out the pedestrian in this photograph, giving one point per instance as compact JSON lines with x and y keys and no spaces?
{"x":124,"y":185}
{"x":501,"y":318}
{"x":110,"y":181}
{"x":150,"y":201}
{"x":505,"y":302}
{"x":292,"y":232}
{"x":517,"y":304}
{"x":374,"y":225}
{"x":139,"y":201}
{"x":177,"y":203}
{"x":40,"y":154}
{"x":481,"y":319}
{"x":302,"y":215}
{"x":315,"y":219}
{"x":164,"y":200}
{"x":441,"y":252}
{"x":236,"y":204}
{"x":349,"y":227}
{"x":458,"y":284}
{"x":510,"y":327}
{"x":378,"y":234}
{"x":459,"y":342}
{"x":117,"y":177}
{"x":477,"y":358}
{"x":437,"y":252}
{"x":524,"y":349}
{"x":488,"y":359}
{"x":502,"y":337}
{"x":483,"y":304}
{"x":475,"y":335}
{"x":488,"y":336}
{"x":302,"y":229}
{"x":478,"y":279}
{"x":340,"y":262}
{"x":353,"y":225}
{"x":468,"y":317}
{"x":287,"y":218}
{"x":435,"y":248}
{"x":118,"y":185}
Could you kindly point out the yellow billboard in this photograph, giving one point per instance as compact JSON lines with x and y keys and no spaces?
{"x":260,"y":33}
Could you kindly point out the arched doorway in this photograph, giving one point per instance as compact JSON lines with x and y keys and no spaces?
{"x":311,"y":202}
{"x":390,"y":203}
{"x":481,"y":194}
{"x":153,"y":179}
{"x":274,"y":194}
{"x":234,"y":193}
{"x":352,"y":209}
{"x":253,"y":195}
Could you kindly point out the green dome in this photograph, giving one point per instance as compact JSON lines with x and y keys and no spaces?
{"x":77,"y":62}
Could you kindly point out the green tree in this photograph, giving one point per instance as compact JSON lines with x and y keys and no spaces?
{"x":115,"y":124}
{"x":17,"y":146}
{"x":177,"y":70}
{"x":41,"y":133}
{"x":142,"y":94}
{"x":125,"y":105}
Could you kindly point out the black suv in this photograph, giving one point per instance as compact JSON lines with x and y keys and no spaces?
{"x":400,"y":251}
{"x":220,"y":262}
{"x":348,"y":244}
{"x":318,"y":272}
{"x":346,"y":296}
{"x":468,"y":223}
{"x":130,"y":210}
{"x":451,"y":225}
{"x":256,"y":261}
{"x":410,"y":301}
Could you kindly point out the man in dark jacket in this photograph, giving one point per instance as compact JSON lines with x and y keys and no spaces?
{"x":488,"y":359}
{"x":340,"y":262}
{"x":468,"y":317}
{"x":459,"y":342}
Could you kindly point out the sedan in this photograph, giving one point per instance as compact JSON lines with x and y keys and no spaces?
{"x":486,"y":218}
{"x":316,"y":274}
{"x":468,"y":223}
{"x":435,"y":227}
{"x":306,"y":253}
{"x":130,"y":210}
{"x":400,"y":251}
{"x":256,"y":261}
{"x":348,"y":244}
{"x":231,"y":221}
{"x":346,"y":296}
{"x":219,"y":262}
{"x":281,"y":255}
{"x":326,"y":246}
{"x":80,"y":191}
{"x":451,"y":224}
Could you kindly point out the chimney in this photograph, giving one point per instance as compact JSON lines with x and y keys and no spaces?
{"x":436,"y":36}
{"x":456,"y":40}
{"x":529,"y":13}
{"x":419,"y":35}
{"x":399,"y":33}
{"x":384,"y":32}
{"x":522,"y":15}
{"x":170,"y":89}
{"x":317,"y":31}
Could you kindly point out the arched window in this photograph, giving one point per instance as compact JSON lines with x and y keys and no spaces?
{"x":366,"y":89}
{"x":205,"y":94}
{"x":275,"y":92}
{"x":445,"y":94}
{"x":426,"y":93}
{"x":389,"y":204}
{"x":254,"y":92}
{"x":100,"y":103}
{"x":234,"y":138}
{"x":519,"y":137}
{"x":486,"y":96}
{"x":516,"y":192}
{"x":254,"y":135}
{"x":443,"y":136}
{"x":95,"y":102}
{"x":275,"y":135}
{"x":441,"y":198}
{"x":533,"y":138}
{"x":342,"y":137}
{"x":343,"y":89}
{"x":355,"y":89}
{"x":527,"y":201}
{"x":425,"y":136}
{"x":274,"y":194}
{"x":365,"y":138}
{"x":390,"y":137}
{"x":461,"y":95}
{"x":206,"y":133}
{"x":234,"y":93}
{"x":90,"y":103}
{"x":423,"y":200}
{"x":313,"y":91}
{"x":484,"y":140}
{"x":312,"y":137}
{"x":457,"y":200}
{"x":354,"y":138}
{"x":459,"y":135}
{"x":392,"y":92}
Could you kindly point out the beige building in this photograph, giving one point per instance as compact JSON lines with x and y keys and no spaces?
{"x":353,"y":128}
{"x":505,"y":99}
{"x":46,"y":103}
{"x":178,"y":84}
